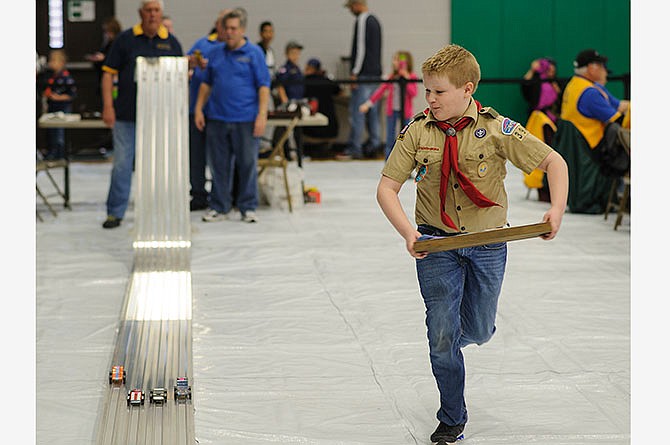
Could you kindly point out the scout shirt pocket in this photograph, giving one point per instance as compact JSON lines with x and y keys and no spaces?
{"x":428,"y":166}
{"x":480,"y":164}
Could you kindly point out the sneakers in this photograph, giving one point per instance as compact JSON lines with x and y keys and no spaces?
{"x":446,"y":434}
{"x":111,"y":222}
{"x":249,"y":216}
{"x":213,"y":216}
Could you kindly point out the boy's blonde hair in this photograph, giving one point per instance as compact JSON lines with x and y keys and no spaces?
{"x":58,"y":54}
{"x":456,"y":63}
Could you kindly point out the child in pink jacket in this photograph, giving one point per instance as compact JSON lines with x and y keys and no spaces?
{"x":402,"y":67}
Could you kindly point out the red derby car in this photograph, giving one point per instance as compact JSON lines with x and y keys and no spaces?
{"x":135,"y":397}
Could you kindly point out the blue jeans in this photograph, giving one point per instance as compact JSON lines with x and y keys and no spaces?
{"x":231,"y":146}
{"x":197,"y":162}
{"x":123,"y":135}
{"x":357,"y":119}
{"x":392,"y":131}
{"x":460,"y":289}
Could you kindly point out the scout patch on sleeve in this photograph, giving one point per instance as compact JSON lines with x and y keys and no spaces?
{"x":416,"y":117}
{"x":508,"y":126}
{"x":519,"y":132}
{"x":401,"y":135}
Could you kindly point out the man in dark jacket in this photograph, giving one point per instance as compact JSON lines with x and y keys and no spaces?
{"x":366,"y":54}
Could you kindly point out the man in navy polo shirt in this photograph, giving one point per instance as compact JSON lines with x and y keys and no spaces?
{"x":149,"y":38}
{"x":236,"y":88}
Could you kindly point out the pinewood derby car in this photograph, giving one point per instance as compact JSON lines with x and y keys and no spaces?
{"x":182,"y":390}
{"x":117,"y":375}
{"x":135,"y":397}
{"x":158,"y":395}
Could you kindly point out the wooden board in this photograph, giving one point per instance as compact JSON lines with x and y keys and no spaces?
{"x":480,"y":238}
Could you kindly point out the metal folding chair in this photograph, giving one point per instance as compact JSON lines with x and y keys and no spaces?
{"x":45,"y":167}
{"x":277,"y":158}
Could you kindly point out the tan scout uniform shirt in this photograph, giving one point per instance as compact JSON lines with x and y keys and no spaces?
{"x":484,"y":146}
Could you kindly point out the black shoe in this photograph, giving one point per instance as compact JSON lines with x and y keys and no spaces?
{"x":198,"y":205}
{"x":446,"y":434}
{"x":111,"y":222}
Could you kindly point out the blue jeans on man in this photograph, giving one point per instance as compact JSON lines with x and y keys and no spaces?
{"x":231,"y":146}
{"x":460,"y":289}
{"x":360,"y":94}
{"x":197,"y":164}
{"x":123,"y":135}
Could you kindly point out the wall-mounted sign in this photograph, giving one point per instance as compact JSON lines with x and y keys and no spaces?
{"x":81,"y":10}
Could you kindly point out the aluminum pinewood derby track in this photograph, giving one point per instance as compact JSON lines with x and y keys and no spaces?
{"x":154,"y":337}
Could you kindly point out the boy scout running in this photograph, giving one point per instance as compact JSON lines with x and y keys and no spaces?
{"x":459,"y":149}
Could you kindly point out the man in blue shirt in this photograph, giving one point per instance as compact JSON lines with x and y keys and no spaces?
{"x":586,"y":101}
{"x":236,"y":88}
{"x":149,"y":38}
{"x":198,"y":54}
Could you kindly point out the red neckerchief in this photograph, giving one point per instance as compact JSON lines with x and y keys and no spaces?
{"x":450,"y":162}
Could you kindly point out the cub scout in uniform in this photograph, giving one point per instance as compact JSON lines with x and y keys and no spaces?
{"x":459,"y":150}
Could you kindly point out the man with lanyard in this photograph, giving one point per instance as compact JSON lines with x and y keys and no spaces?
{"x":149,"y":38}
{"x":236,"y":85}
{"x":366,"y":51}
{"x":198,"y":55}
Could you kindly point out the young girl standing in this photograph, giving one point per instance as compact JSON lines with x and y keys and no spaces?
{"x":402,"y":68}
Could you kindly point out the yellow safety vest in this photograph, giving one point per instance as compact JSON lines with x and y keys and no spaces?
{"x":593,"y":130}
{"x":535,"y":126}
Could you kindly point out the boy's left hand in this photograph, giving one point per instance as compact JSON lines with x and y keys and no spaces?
{"x":554,"y":217}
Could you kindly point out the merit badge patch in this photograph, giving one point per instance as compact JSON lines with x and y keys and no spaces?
{"x":482,"y":169}
{"x":480,"y":133}
{"x":421,"y":173}
{"x":508,"y":126}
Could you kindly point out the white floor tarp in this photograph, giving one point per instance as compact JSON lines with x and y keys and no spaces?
{"x":309,"y":327}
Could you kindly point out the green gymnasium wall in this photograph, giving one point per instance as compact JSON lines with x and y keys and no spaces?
{"x":506,"y":35}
